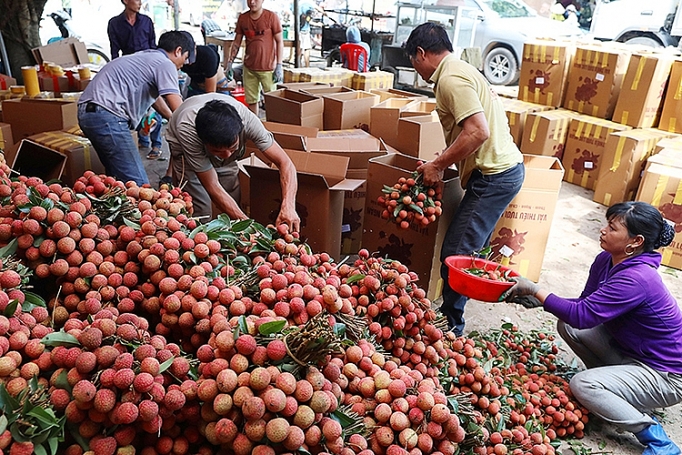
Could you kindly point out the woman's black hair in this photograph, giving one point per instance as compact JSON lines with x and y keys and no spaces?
{"x":430,"y":37}
{"x":643,"y":219}
{"x":218,"y":124}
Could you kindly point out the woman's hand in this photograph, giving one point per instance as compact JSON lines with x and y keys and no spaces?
{"x":523,"y":287}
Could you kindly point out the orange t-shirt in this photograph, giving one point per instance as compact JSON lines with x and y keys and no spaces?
{"x":260,"y":39}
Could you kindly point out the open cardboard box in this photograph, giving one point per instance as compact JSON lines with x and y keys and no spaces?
{"x":384,"y":118}
{"x":295,"y":108}
{"x":322,"y":185}
{"x":421,"y":136}
{"x":419,"y":246}
{"x":388,"y":93}
{"x":420,"y":108}
{"x":348,"y":110}
{"x":359,"y":151}
{"x":35,"y":160}
{"x":524,"y":226}
{"x":66,"y":52}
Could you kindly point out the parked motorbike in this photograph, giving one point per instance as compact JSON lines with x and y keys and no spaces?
{"x":96,"y":54}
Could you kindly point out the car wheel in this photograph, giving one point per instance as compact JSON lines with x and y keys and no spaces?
{"x":645,"y":40}
{"x":500,"y":67}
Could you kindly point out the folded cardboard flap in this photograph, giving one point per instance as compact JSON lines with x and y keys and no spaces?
{"x":342,"y":143}
{"x":331,"y":168}
{"x":420,"y":108}
{"x":388,"y":93}
{"x":35,"y":160}
{"x":325,"y":90}
{"x":396,"y":103}
{"x":307,"y":131}
{"x":350,"y":132}
{"x":66,"y":52}
{"x":290,"y":141}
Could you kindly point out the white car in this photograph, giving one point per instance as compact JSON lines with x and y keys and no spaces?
{"x":499,"y":28}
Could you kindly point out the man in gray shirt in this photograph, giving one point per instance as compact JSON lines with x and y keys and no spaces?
{"x":207,"y":136}
{"x":119,"y":96}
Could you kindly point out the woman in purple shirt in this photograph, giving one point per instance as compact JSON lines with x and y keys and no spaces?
{"x":626,"y":327}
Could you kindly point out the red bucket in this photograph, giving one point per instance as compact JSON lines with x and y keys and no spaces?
{"x":240,"y":95}
{"x":476,"y":287}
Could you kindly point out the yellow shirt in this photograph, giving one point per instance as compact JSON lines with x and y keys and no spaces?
{"x":462,"y":91}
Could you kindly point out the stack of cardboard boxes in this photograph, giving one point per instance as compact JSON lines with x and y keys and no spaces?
{"x":617,"y":131}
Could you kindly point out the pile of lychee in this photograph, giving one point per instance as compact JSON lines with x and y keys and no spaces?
{"x":161,"y":336}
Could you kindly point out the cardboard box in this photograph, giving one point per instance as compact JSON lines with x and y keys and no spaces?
{"x":354,"y":132}
{"x":372,"y":80}
{"x":70,"y":82}
{"x":6,"y":82}
{"x":359,"y":151}
{"x":419,"y":246}
{"x":80,"y":156}
{"x":672,"y":105}
{"x":304,"y":131}
{"x":517,"y":111}
{"x":421,"y":136}
{"x":641,"y":96}
{"x":322,"y":184}
{"x":325,"y":90}
{"x":544,"y":71}
{"x":545,"y":132}
{"x":295,"y":108}
{"x":525,"y":224}
{"x":6,"y":138}
{"x":667,"y":157}
{"x":336,"y":76}
{"x":506,"y":91}
{"x":348,"y":110}
{"x":584,"y":150}
{"x":595,"y":78}
{"x":671,"y":142}
{"x":33,"y":116}
{"x":298,"y":86}
{"x":384,"y":118}
{"x":35,"y":160}
{"x":388,"y":93}
{"x":662,"y":187}
{"x":66,"y":52}
{"x":623,"y":161}
{"x":419,"y":109}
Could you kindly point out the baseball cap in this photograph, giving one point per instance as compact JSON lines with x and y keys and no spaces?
{"x":193,"y":49}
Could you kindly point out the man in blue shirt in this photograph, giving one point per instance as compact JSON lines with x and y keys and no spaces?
{"x":130,"y":31}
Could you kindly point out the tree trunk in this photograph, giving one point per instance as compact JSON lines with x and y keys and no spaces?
{"x":20,"y":26}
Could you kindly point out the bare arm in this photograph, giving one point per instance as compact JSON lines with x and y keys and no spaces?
{"x":236,"y":45}
{"x":210,"y":84}
{"x":474,"y":133}
{"x":289,"y":183}
{"x":166,"y":104}
{"x":218,"y":195}
{"x":279,"y":47}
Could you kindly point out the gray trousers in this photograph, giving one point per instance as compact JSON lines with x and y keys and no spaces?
{"x":619,"y":389}
{"x":228,"y":176}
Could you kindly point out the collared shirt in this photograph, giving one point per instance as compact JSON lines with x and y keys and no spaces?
{"x":462,"y":91}
{"x":184,"y":142}
{"x":128,"y":39}
{"x":129,"y":85}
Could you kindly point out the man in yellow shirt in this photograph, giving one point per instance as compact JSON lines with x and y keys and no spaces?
{"x":479,"y":142}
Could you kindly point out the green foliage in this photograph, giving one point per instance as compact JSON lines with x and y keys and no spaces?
{"x":30,"y":418}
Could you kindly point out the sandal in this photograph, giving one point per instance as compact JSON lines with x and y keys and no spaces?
{"x":166,"y":180}
{"x":154,"y":154}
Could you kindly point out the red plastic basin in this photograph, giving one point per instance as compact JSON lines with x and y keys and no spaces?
{"x":476,"y":287}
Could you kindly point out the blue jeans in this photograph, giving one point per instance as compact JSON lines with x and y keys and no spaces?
{"x":111,"y":138}
{"x":485,"y":199}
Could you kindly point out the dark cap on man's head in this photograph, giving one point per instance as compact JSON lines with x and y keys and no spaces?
{"x":193,"y":50}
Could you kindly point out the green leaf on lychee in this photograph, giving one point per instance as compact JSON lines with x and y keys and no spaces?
{"x":243,"y":326}
{"x":354,"y":278}
{"x":131,"y":224}
{"x":11,"y":308}
{"x":32,"y":300}
{"x":9,"y":249}
{"x":165,"y":365}
{"x":272,"y":327}
{"x":60,"y":338}
{"x":62,"y":381}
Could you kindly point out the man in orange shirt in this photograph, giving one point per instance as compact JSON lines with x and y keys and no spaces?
{"x":264,"y":51}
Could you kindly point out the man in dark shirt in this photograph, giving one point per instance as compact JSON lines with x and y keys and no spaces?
{"x":131,"y":31}
{"x":206,"y":74}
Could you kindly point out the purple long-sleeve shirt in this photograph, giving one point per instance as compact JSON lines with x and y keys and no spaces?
{"x":128,"y":39}
{"x":635,"y":307}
